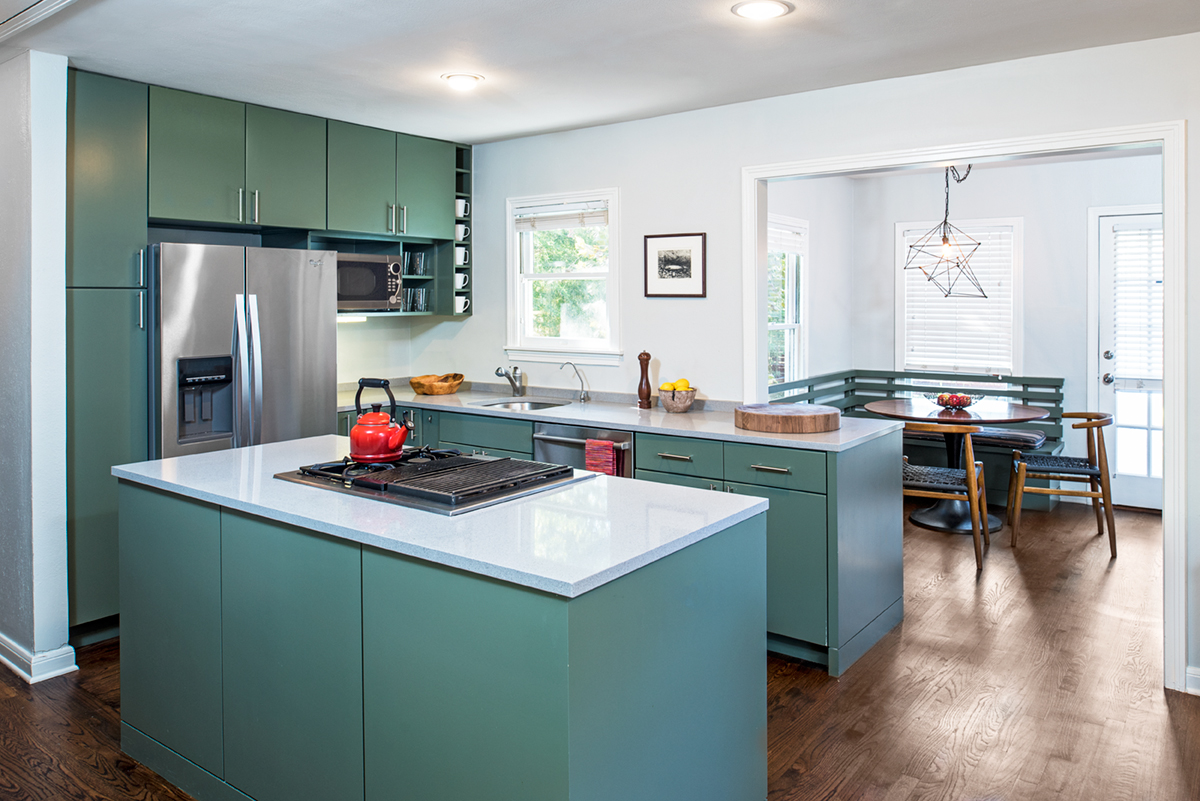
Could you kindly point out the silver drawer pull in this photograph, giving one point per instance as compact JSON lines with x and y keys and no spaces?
{"x":675,"y":457}
{"x":764,"y":468}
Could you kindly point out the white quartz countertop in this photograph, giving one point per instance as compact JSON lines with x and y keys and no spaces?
{"x":625,"y":417}
{"x":564,"y":541}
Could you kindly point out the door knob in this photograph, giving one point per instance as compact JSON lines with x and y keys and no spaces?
{"x":1108,"y":354}
{"x":1108,"y":378}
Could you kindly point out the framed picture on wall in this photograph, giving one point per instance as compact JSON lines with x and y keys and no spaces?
{"x":675,"y":266}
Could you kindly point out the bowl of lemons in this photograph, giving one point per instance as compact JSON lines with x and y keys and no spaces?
{"x":676,"y":396}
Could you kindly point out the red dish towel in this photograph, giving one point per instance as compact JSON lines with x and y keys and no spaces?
{"x":600,"y":457}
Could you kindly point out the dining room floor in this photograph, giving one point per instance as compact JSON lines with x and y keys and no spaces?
{"x":1038,"y":678}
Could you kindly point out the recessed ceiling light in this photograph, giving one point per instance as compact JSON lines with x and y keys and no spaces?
{"x":763,"y":9}
{"x":462,"y":81}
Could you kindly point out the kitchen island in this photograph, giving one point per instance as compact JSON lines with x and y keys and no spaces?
{"x":601,"y":640}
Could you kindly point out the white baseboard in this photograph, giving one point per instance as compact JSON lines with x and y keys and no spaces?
{"x":1193,"y":680}
{"x":35,"y":667}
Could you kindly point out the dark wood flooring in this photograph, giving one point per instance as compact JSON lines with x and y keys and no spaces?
{"x":1041,"y":679}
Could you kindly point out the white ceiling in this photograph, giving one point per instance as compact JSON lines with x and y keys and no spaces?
{"x":560,"y":64}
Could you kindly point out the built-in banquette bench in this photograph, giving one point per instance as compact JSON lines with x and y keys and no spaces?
{"x":850,"y":390}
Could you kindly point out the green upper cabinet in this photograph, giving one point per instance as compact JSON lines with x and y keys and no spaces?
{"x":362,"y":179}
{"x":285,"y":168}
{"x":425,"y":187}
{"x":197,"y":157}
{"x":106,"y":180}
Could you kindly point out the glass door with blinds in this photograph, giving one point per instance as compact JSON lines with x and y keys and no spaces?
{"x":1131,"y":354}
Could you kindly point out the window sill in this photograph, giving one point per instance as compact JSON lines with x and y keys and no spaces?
{"x":552,"y":355}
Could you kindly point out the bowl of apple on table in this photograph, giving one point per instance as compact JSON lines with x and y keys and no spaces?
{"x":676,"y":396}
{"x":952,"y":400}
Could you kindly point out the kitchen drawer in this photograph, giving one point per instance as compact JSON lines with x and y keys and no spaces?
{"x":470,"y":450}
{"x":679,"y":481}
{"x":681,"y":455}
{"x":487,"y":432}
{"x":786,"y":468}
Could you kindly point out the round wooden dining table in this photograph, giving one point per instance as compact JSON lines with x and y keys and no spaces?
{"x":947,"y":515}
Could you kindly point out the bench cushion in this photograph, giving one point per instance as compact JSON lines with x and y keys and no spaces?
{"x":1017,"y":439}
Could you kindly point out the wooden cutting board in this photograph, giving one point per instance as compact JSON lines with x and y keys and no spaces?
{"x":787,"y":418}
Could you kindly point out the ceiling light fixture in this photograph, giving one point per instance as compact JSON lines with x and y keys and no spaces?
{"x":944,"y":253}
{"x":763,"y":9}
{"x":462,"y":81}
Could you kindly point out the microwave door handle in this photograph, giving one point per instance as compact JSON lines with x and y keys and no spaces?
{"x":241,"y":374}
{"x":256,"y":370}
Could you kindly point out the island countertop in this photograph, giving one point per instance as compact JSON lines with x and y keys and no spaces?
{"x":564,"y":541}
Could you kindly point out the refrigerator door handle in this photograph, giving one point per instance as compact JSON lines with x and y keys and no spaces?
{"x":241,"y":367}
{"x":256,"y":372}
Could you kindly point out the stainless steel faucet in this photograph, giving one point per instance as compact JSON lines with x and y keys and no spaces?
{"x":514,"y":379}
{"x":584,"y":397}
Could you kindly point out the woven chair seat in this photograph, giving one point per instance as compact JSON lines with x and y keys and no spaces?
{"x":1067,"y":465}
{"x":919,"y":476}
{"x":1021,"y":439}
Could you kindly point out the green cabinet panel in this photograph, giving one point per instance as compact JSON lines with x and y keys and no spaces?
{"x":171,"y":622}
{"x":106,"y":180}
{"x":677,"y":480}
{"x":483,"y":451}
{"x":797,"y":565}
{"x":425,"y":186}
{"x":786,"y":468}
{"x":682,"y":455}
{"x":285,"y":168}
{"x":361,"y":179}
{"x":106,"y":425}
{"x":491,"y":433}
{"x":197,"y":157}
{"x":292,"y":608}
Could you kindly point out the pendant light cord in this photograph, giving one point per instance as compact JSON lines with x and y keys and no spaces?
{"x":958,"y":180}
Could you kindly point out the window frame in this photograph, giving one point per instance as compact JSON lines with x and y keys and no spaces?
{"x":796,"y":224}
{"x":518,"y":347}
{"x":1018,"y":309}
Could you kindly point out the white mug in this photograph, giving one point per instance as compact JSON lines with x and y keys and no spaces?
{"x":461,"y":280}
{"x":461,"y":232}
{"x":461,"y":256}
{"x":461,"y":208}
{"x":461,"y":303}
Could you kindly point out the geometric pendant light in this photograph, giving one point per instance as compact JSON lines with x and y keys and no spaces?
{"x":944,"y":253}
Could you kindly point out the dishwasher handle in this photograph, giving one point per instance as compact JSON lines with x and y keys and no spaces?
{"x":621,"y":446}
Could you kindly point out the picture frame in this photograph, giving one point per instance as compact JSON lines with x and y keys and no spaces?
{"x":675,"y":266}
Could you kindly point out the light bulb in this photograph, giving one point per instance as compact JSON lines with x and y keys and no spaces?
{"x":462,"y":81}
{"x":947,"y":249}
{"x":762,"y":9}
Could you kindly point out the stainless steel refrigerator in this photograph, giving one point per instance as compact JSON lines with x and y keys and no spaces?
{"x":243,"y":346}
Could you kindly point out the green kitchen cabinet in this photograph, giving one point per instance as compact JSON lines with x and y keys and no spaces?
{"x":106,"y":422}
{"x":293,"y":722}
{"x":197,"y":157}
{"x":685,"y":456}
{"x":171,"y":624}
{"x":285,"y":168}
{"x":425,"y":178}
{"x":496,"y":435}
{"x":677,"y":480}
{"x":361,"y":179}
{"x":106,"y":180}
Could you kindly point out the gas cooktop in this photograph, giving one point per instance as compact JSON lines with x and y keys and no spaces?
{"x":442,"y":481}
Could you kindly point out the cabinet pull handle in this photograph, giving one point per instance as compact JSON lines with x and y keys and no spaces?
{"x":241,"y":201}
{"x":391,"y":218}
{"x":712,"y":487}
{"x":141,"y":311}
{"x":675,"y":457}
{"x":255,"y":206}
{"x":764,"y":468}
{"x":141,"y":266}
{"x":404,"y":219}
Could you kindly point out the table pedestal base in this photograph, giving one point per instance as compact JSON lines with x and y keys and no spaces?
{"x":952,"y":516}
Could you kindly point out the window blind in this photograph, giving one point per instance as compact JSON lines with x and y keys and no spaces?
{"x":1138,"y":301}
{"x":958,"y":334}
{"x":782,"y":238}
{"x":560,"y":215}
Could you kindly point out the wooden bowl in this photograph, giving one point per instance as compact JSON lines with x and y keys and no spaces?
{"x":436,"y":384}
{"x":677,"y":400}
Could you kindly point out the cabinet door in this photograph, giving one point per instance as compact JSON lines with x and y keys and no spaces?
{"x":285,"y":168}
{"x":679,"y":481}
{"x":797,"y":573}
{"x":197,"y":157}
{"x":492,"y":433}
{"x":425,"y":186}
{"x":106,"y":180}
{"x":362,"y":179}
{"x":480,"y":450}
{"x":106,"y":425}
{"x":292,"y":651}
{"x":684,"y":456}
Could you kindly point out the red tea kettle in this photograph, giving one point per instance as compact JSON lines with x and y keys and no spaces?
{"x":377,"y":437}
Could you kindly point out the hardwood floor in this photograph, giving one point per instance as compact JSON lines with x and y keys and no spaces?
{"x":1040,"y":680}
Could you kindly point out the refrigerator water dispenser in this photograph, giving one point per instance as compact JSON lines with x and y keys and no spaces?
{"x":205,"y":398}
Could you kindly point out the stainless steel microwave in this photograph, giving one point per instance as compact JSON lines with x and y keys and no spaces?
{"x":367,"y":282}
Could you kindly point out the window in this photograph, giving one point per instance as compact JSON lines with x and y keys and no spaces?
{"x":955,"y":334}
{"x":787,"y":258}
{"x":562,"y":277}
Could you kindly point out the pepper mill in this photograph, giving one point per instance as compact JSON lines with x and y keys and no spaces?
{"x":644,"y":384}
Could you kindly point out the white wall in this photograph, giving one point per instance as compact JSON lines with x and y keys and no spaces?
{"x":33,"y":540}
{"x":375,"y":348}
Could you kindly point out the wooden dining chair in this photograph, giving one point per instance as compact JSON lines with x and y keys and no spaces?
{"x":1092,"y":471}
{"x":921,"y":481}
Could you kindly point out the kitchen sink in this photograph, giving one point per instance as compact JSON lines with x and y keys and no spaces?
{"x":522,"y":404}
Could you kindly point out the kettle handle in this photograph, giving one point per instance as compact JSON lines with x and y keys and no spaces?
{"x":375,"y":383}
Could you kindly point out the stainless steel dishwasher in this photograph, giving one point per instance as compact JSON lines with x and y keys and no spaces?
{"x":559,"y":444}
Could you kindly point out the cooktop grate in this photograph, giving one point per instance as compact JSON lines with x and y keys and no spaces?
{"x":475,"y":478}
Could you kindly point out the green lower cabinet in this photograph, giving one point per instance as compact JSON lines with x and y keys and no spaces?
{"x":797,"y":562}
{"x":495,"y":435}
{"x":292,"y":653}
{"x":471,"y":450}
{"x":677,"y":480}
{"x":106,"y":425}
